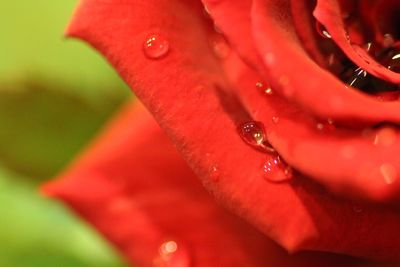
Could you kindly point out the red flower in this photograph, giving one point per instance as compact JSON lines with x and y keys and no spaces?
{"x":133,"y":186}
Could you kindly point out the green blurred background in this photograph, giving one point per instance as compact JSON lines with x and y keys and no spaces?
{"x":55,"y":94}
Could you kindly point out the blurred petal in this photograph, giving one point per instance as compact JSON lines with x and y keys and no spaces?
{"x":133,"y":186}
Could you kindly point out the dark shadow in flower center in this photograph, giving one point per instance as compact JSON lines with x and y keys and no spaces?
{"x":379,"y":35}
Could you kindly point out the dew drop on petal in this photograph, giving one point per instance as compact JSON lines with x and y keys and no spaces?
{"x":259,"y":85}
{"x":276,"y":170}
{"x":253,"y":133}
{"x":155,"y":46}
{"x":264,"y":88}
{"x":322,"y":31}
{"x":268,"y":91}
{"x":172,"y":255}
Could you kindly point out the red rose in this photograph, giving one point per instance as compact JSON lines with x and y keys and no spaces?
{"x":331,"y":146}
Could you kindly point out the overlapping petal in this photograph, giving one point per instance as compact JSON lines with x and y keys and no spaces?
{"x":329,"y":14}
{"x":133,"y":186}
{"x":300,"y":79}
{"x":200,"y":100}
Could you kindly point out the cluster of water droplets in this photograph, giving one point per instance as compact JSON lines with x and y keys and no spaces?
{"x":156,"y":47}
{"x":275,"y":168}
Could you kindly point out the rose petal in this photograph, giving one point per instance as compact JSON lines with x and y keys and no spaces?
{"x":295,"y":137}
{"x":326,"y":155}
{"x":234,"y":18}
{"x":345,"y":160}
{"x":133,"y":186}
{"x":190,"y":97}
{"x":305,"y":28}
{"x":289,"y":66}
{"x":338,"y":153}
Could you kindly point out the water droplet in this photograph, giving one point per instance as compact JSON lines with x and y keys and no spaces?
{"x":156,"y":47}
{"x":172,"y":255}
{"x":220,"y":46}
{"x":253,"y":133}
{"x":276,"y":170}
{"x":268,"y":91}
{"x":322,"y":31}
{"x":264,"y":88}
{"x":385,"y":137}
{"x":275,"y":119}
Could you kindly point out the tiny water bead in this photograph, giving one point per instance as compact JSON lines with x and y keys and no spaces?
{"x":172,"y":255}
{"x":322,"y":30}
{"x":276,"y":170}
{"x":156,"y":46}
{"x":264,"y":88}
